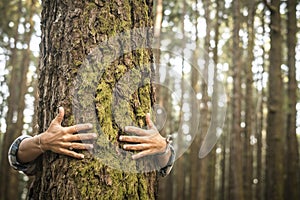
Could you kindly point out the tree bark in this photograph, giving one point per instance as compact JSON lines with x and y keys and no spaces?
{"x":275,"y":124}
{"x":236,"y":149}
{"x":71,"y":32}
{"x":292,"y":154}
{"x":249,"y":118}
{"x":19,"y":61}
{"x":195,"y":162}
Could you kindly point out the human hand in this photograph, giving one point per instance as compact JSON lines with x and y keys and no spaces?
{"x":62,"y":139}
{"x":148,"y":142}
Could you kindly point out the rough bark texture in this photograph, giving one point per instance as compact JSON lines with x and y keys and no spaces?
{"x":275,"y":122}
{"x":71,"y":30}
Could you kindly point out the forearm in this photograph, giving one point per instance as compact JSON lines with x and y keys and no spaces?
{"x":29,"y":149}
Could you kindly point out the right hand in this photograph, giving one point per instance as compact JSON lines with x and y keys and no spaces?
{"x":62,"y":140}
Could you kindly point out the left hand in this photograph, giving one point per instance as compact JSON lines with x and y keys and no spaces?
{"x":148,"y":142}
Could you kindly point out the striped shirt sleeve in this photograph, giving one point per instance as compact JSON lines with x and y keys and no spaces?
{"x":27,"y":168}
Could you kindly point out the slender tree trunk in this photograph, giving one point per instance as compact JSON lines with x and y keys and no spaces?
{"x":236,"y":149}
{"x":180,"y":163}
{"x":221,"y":190}
{"x":249,"y":118}
{"x":275,"y":124}
{"x":195,"y":162}
{"x":78,"y":36}
{"x":204,"y":181}
{"x":292,"y":155}
{"x":9,"y":177}
{"x":16,"y":105}
{"x":260,"y":126}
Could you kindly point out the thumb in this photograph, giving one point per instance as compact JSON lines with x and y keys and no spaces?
{"x":60,"y":116}
{"x":149,"y":122}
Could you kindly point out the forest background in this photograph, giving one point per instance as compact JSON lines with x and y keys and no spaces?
{"x":250,"y":46}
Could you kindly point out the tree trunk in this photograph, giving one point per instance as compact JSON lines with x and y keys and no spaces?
{"x":195,"y":162}
{"x":179,"y":168}
{"x":78,"y":36}
{"x":236,"y":178}
{"x":260,"y":126}
{"x":19,"y":61}
{"x":275,"y":124}
{"x":292,"y":155}
{"x":249,"y":118}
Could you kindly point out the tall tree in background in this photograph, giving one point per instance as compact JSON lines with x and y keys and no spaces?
{"x":260,"y":118}
{"x":292,"y":180}
{"x":70,"y":31}
{"x":207,"y":169}
{"x":179,"y":168}
{"x":195,"y":76}
{"x":236,"y":149}
{"x":249,"y":114}
{"x":18,"y":63}
{"x":275,"y":123}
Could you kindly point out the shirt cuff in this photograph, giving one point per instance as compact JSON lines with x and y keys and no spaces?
{"x":27,"y":168}
{"x":166,"y":170}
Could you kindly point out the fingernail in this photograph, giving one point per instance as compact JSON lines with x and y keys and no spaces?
{"x":95,"y":135}
{"x":120,"y":138}
{"x":124,"y":147}
{"x":82,"y":156}
{"x":126,"y":128}
{"x":91,"y":146}
{"x":90,"y":126}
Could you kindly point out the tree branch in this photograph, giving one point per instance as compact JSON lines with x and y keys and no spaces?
{"x":269,"y":6}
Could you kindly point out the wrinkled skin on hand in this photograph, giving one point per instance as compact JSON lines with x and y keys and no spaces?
{"x":147,"y":142}
{"x":62,"y":140}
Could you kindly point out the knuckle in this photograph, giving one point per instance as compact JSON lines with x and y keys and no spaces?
{"x":60,"y":150}
{"x":64,"y":138}
{"x":64,"y":131}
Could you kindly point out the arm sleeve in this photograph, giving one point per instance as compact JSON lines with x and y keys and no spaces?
{"x":166,"y":170}
{"x":27,"y":168}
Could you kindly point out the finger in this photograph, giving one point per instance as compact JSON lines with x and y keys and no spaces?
{"x":70,"y":153}
{"x":82,"y":137}
{"x":75,"y":145}
{"x":142,"y":154}
{"x":134,"y":139}
{"x":136,"y":147}
{"x":60,"y":116}
{"x":80,"y":146}
{"x":149,"y":122}
{"x":78,"y":127}
{"x":136,"y":130}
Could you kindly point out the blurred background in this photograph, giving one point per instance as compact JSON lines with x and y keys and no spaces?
{"x":250,"y":46}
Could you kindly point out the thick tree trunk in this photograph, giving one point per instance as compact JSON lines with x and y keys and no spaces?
{"x":71,"y":30}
